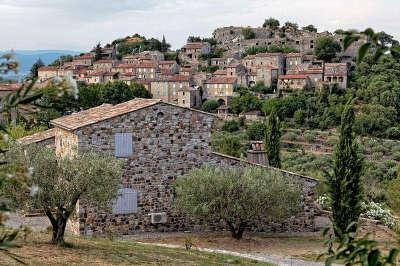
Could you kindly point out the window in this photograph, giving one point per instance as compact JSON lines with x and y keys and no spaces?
{"x":126,"y":201}
{"x":123,"y":145}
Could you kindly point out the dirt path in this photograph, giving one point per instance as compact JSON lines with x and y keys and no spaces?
{"x":282,"y":261}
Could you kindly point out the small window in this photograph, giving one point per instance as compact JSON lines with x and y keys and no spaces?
{"x":126,"y":202}
{"x":123,"y":145}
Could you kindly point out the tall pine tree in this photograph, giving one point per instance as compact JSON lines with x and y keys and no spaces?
{"x":272,"y":140}
{"x":345,"y":184}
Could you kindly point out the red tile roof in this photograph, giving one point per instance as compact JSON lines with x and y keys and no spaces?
{"x":100,"y":113}
{"x":10,"y":86}
{"x":85,"y":56}
{"x":47,"y":68}
{"x":220,"y":72}
{"x":179,"y":78}
{"x":193,"y":45}
{"x":167,"y":62}
{"x":221,"y":80}
{"x":149,"y":64}
{"x":293,"y":55}
{"x":293,"y":76}
{"x":37,"y":137}
{"x":103,"y":61}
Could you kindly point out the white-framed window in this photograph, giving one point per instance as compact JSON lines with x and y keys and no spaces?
{"x":123,"y":145}
{"x":126,"y":201}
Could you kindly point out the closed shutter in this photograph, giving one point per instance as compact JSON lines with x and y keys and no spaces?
{"x":123,"y":145}
{"x":126,"y":202}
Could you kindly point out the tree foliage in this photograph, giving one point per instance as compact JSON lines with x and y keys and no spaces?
{"x":97,"y":52}
{"x":248,"y":33}
{"x":271,"y":23}
{"x":273,"y":140}
{"x":256,"y":130}
{"x":35,"y":67}
{"x":310,"y":28}
{"x":210,"y":106}
{"x":61,"y":181}
{"x":237,"y":197}
{"x":326,"y":48}
{"x":344,"y":185}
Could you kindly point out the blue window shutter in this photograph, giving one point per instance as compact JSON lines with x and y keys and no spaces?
{"x":126,"y":201}
{"x":123,"y":145}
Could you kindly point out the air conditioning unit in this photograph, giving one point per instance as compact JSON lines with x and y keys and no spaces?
{"x":158,"y":218}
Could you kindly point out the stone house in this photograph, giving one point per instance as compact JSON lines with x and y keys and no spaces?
{"x":47,"y":72}
{"x":128,"y":78}
{"x":147,"y":70}
{"x":101,"y":77}
{"x":104,"y":64}
{"x":292,"y":81}
{"x":170,"y":65}
{"x":189,"y":97}
{"x":336,"y":73}
{"x":191,"y":52}
{"x":220,"y":89}
{"x":167,"y":89}
{"x":125,"y":68}
{"x":158,"y":142}
{"x":83,"y":60}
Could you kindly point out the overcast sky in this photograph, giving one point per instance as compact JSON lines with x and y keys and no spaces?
{"x":79,"y":24}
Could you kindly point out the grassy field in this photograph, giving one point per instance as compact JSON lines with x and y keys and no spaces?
{"x":36,"y":250}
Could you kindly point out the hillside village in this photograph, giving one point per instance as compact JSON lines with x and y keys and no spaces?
{"x":183,"y":82}
{"x":215,"y":103}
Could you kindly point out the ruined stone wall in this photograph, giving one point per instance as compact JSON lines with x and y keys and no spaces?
{"x":168,"y":142}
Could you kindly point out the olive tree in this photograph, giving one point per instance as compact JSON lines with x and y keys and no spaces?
{"x":61,"y":181}
{"x":239,"y":197}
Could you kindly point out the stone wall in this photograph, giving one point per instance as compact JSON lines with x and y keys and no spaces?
{"x":168,"y":142}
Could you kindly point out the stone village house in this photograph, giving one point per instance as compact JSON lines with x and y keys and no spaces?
{"x":158,"y":141}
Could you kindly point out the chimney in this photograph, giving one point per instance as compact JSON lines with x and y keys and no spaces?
{"x":257,"y":154}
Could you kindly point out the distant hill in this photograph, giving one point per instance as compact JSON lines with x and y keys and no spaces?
{"x":27,"y":58}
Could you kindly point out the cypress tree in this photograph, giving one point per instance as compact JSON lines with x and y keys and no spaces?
{"x":272,"y":140}
{"x":97,"y":52}
{"x":345,"y":184}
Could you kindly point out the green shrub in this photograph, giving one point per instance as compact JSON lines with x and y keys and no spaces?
{"x":230,"y":126}
{"x":210,"y":106}
{"x":290,"y":136}
{"x":248,"y":33}
{"x":256,"y":131}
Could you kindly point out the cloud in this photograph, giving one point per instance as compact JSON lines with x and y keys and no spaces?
{"x":79,"y":24}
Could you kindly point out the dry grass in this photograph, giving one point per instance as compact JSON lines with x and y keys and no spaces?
{"x":306,"y":246}
{"x":97,"y":251}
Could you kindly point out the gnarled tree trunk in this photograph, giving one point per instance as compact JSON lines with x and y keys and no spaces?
{"x":237,"y":229}
{"x":59,"y":223}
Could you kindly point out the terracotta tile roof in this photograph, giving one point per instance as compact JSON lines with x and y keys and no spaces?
{"x":313,"y":71}
{"x":193,"y":45}
{"x":104,"y":61}
{"x":293,"y":55}
{"x":167,"y":62}
{"x":100,"y":113}
{"x":110,"y":73}
{"x":85,"y":56}
{"x":220,"y":72}
{"x":177,"y":78}
{"x":150,"y":64}
{"x":293,"y":76}
{"x":10,"y":86}
{"x":221,"y":80}
{"x":123,"y":65}
{"x":37,"y":137}
{"x":47,"y":68}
